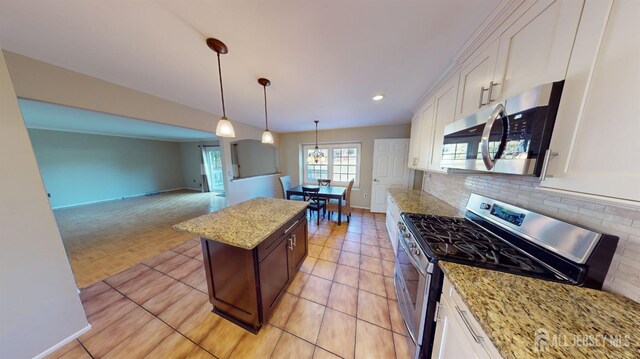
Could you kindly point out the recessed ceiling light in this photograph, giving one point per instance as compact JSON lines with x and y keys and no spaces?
{"x":377,"y":97}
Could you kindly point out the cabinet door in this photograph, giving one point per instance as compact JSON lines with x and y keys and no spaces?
{"x":274,"y":276}
{"x":536,"y":48}
{"x":596,"y":131}
{"x":414,"y":141}
{"x":450,"y":341}
{"x":476,"y":74}
{"x":298,"y":247}
{"x":393,"y":216}
{"x":444,"y":114}
{"x":426,"y":135}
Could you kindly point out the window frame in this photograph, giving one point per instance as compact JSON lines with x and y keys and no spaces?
{"x":330,"y":161}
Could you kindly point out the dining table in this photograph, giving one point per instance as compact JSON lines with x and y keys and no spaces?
{"x":326,"y":192}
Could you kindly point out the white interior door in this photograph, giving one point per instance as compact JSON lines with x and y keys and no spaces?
{"x":389,"y":170}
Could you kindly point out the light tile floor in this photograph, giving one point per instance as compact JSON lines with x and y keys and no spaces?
{"x":341,"y":304}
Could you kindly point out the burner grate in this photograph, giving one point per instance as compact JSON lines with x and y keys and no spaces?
{"x":461,"y":240}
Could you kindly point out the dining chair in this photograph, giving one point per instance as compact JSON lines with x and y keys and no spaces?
{"x":285,"y":184}
{"x":332,"y":206}
{"x":316,"y":204}
{"x":324,"y":182}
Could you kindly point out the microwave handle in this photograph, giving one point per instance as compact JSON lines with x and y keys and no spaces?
{"x":498,"y":112}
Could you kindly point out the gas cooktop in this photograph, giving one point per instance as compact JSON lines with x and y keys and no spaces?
{"x":460,"y":240}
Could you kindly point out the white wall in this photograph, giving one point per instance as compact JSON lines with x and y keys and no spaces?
{"x":246,"y":188}
{"x":290,"y":160}
{"x":41,"y":81}
{"x":80,"y":168}
{"x":191,"y":158}
{"x":39,"y":304}
{"x":255,"y":158}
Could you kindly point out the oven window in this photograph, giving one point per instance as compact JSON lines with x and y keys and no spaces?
{"x":410,"y":275}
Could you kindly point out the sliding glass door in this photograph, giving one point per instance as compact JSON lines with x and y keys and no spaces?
{"x":213,"y":168}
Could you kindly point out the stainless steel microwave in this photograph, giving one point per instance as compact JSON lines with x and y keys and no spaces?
{"x":512,"y":136}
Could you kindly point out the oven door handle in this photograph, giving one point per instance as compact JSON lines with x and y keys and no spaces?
{"x":498,"y":112}
{"x":411,"y":259}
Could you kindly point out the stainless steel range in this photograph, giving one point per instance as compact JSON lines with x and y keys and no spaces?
{"x":493,"y":235}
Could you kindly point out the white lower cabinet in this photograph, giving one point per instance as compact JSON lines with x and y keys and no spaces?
{"x":393,"y":216}
{"x":458,"y":334}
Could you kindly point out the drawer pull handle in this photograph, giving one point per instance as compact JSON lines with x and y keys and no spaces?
{"x":290,"y":243}
{"x":482,"y":91}
{"x":475,"y":336}
{"x":491,"y":86}
{"x":295,"y":242}
{"x":290,"y":228}
{"x":439,"y":307}
{"x":548,"y":155}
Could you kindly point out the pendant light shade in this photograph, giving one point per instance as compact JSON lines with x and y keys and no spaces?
{"x":316,"y":155}
{"x":224,"y":127}
{"x":267,"y":136}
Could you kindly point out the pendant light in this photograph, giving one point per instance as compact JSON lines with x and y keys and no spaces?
{"x":267,"y":136}
{"x":316,"y":155}
{"x":224,"y":127}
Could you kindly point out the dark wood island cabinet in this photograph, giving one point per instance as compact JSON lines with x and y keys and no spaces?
{"x":246,"y":277}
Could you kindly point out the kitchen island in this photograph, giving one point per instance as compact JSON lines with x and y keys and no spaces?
{"x":251,"y":253}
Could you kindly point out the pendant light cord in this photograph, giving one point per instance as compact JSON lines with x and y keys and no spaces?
{"x":266,"y":119}
{"x":316,"y":134}
{"x":224,"y":114}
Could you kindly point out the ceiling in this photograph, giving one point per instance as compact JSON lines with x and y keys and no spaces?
{"x":47,"y":116}
{"x":325,"y":59}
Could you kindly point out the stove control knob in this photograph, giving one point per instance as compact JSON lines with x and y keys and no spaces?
{"x":416,"y":252}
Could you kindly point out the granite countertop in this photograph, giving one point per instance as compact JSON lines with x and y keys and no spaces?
{"x":415,"y":201}
{"x":246,"y":224}
{"x":512,"y":308}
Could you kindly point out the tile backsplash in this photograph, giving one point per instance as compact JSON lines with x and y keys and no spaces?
{"x":599,"y":215}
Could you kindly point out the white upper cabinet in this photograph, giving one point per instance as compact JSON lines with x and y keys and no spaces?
{"x":414,"y":142}
{"x":593,"y":46}
{"x":444,"y":103}
{"x":475,"y":79}
{"x":536,"y":48}
{"x":596,"y":132}
{"x":426,"y":135}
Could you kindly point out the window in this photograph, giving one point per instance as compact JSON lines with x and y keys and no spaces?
{"x":340,"y":164}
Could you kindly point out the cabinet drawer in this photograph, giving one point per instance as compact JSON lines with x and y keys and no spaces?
{"x":272,"y":242}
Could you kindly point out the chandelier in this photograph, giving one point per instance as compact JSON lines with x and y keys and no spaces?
{"x":316,"y":155}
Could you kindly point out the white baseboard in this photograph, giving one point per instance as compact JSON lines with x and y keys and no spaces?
{"x":367,"y":208}
{"x":64,"y":342}
{"x":124,"y":197}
